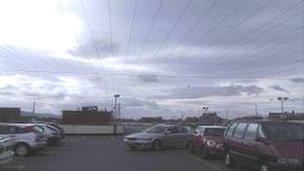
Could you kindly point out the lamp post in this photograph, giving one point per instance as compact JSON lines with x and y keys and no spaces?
{"x":205,"y":108}
{"x":282,"y":100}
{"x":116,"y":96}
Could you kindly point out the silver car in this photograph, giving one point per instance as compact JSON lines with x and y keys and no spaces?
{"x":160,"y":136}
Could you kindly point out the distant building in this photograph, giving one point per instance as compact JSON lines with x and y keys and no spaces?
{"x":207,"y":119}
{"x":9,"y":114}
{"x":290,"y":116}
{"x":87,"y":116}
{"x":151,"y":119}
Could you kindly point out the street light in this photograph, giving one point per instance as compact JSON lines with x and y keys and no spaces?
{"x":282,"y":100}
{"x":205,"y":108}
{"x":116,"y":96}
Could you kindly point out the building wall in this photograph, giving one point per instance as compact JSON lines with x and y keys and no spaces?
{"x":9,"y":114}
{"x":87,"y":117}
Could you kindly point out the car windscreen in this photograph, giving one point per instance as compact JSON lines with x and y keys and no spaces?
{"x":214,"y":131}
{"x":285,"y":131}
{"x":156,"y":129}
{"x":38,"y":129}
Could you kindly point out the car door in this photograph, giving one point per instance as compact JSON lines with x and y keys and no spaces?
{"x":184,"y":136}
{"x":250,"y":144}
{"x":237,"y":144}
{"x":197,"y":138}
{"x":171,"y":138}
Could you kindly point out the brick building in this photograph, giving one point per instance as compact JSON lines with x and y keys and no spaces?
{"x":87,"y":116}
{"x":9,"y":114}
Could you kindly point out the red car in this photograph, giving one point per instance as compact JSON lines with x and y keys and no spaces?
{"x":266,"y":144}
{"x":207,"y":141}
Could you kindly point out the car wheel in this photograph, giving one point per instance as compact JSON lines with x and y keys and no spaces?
{"x":21,"y":149}
{"x":228,"y":160}
{"x":263,"y":167}
{"x":157,"y":145}
{"x":190,"y":147}
{"x":204,"y":153}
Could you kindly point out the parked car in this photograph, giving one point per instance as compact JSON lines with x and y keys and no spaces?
{"x":159,"y":136}
{"x":55,"y":126}
{"x":27,"y":137}
{"x":268,"y":144}
{"x":52,"y":133}
{"x":207,"y":141}
{"x":61,"y":131}
{"x":6,"y":150}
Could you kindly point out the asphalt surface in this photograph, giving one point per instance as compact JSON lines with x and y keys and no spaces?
{"x":97,"y":153}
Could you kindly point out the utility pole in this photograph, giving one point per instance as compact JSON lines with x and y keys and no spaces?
{"x":118,"y":111}
{"x":116,"y":96}
{"x":34,"y":107}
{"x":256,"y":109}
{"x":226,"y":112}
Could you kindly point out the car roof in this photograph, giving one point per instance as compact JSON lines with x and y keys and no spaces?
{"x":211,"y":126}
{"x":269,"y":121}
{"x":18,"y":124}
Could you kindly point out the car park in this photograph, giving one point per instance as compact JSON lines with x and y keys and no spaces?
{"x":267,"y":144}
{"x":159,"y":136}
{"x":52,"y":133}
{"x":207,"y":141}
{"x":27,"y":137}
{"x":6,"y":150}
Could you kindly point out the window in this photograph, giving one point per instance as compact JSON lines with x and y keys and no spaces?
{"x":284,"y":131}
{"x":5,"y":129}
{"x":157,"y":129}
{"x":231,"y":129}
{"x":240,"y":130}
{"x":173,"y":129}
{"x":251,"y":132}
{"x":16,"y":130}
{"x":261,"y":133}
{"x":183,"y":129}
{"x":214,"y":131}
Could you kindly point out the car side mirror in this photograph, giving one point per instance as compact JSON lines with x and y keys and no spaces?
{"x":262,"y":140}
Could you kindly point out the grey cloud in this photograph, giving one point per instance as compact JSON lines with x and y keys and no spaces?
{"x":99,"y":48}
{"x":279,"y":88}
{"x":297,"y":80}
{"x":148,"y":78}
{"x":224,"y":91}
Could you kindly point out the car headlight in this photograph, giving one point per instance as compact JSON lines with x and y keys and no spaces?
{"x":211,"y":143}
{"x":288,"y":161}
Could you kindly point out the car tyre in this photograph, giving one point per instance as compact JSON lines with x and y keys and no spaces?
{"x":21,"y":149}
{"x":204,"y":153}
{"x":157,"y":145}
{"x":229,"y":160}
{"x":190,"y":147}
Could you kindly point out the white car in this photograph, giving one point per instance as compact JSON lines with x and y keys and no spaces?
{"x":6,"y":152}
{"x":52,"y":134}
{"x":27,"y":137}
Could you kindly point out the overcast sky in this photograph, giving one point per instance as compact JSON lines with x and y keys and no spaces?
{"x":164,"y":57}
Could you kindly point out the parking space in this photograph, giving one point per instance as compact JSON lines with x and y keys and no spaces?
{"x":78,"y":153}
